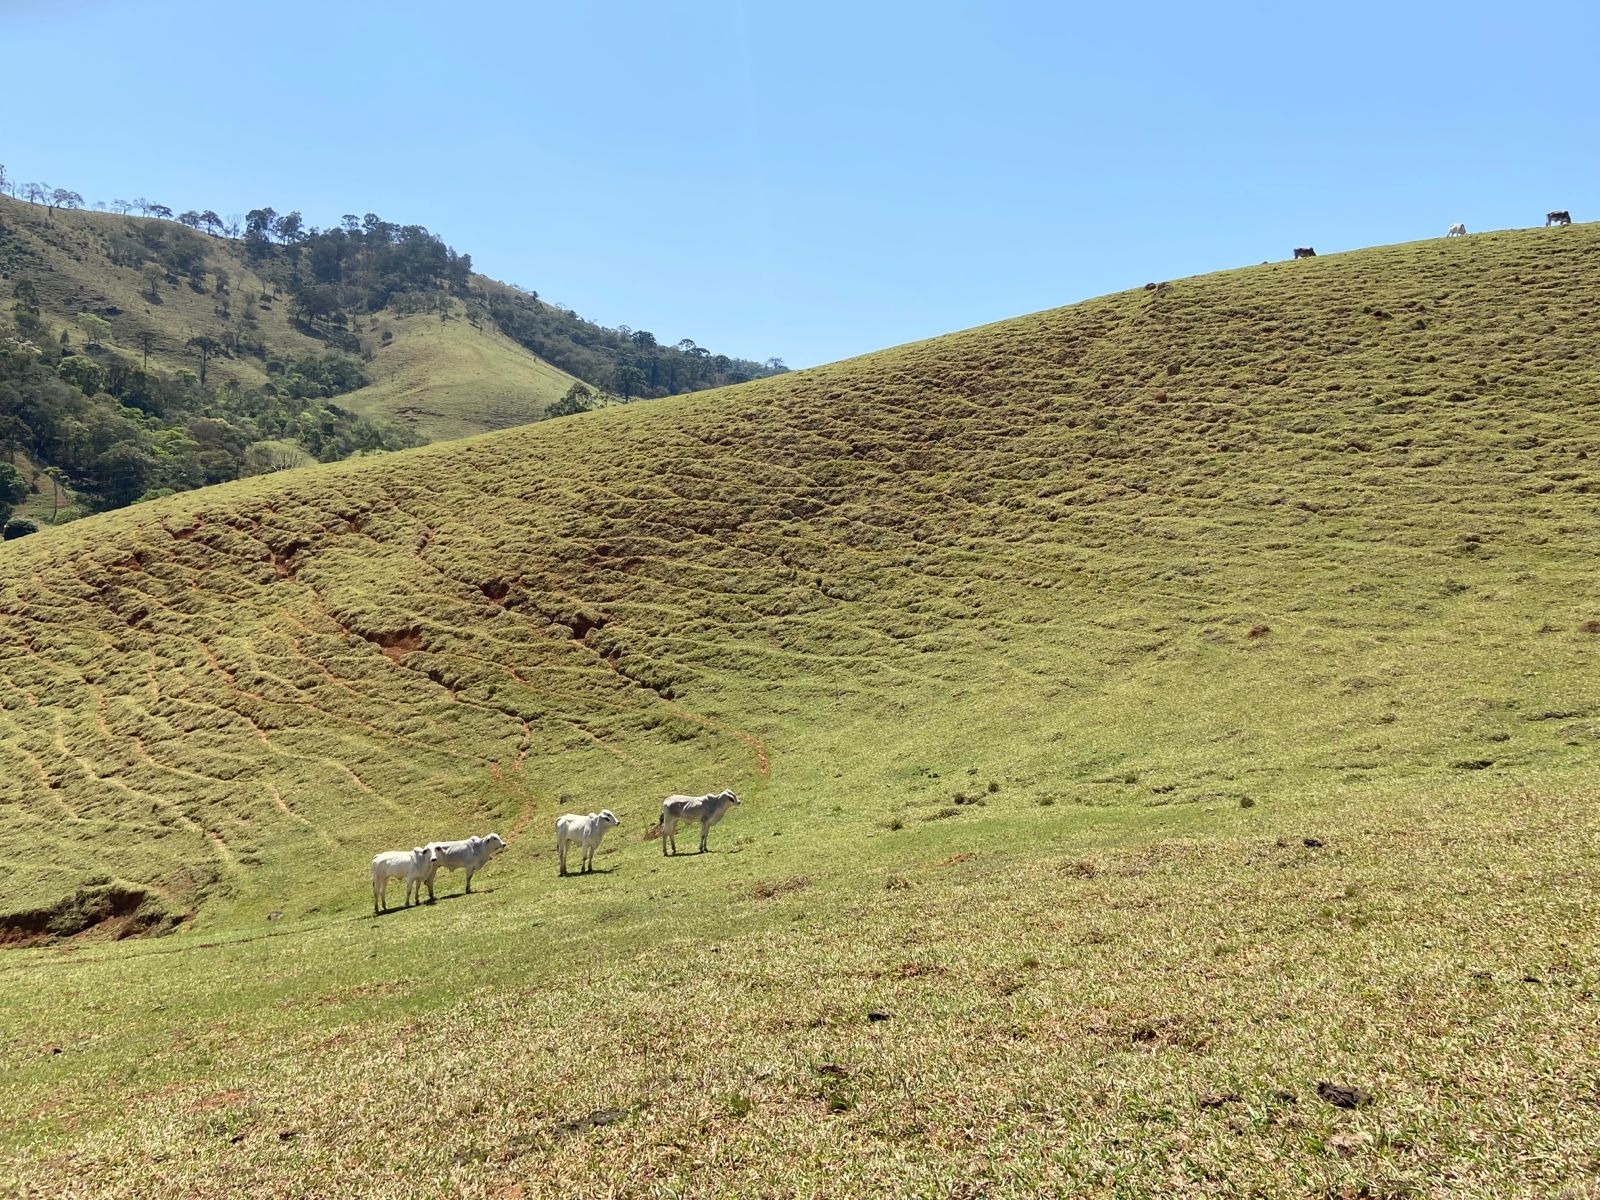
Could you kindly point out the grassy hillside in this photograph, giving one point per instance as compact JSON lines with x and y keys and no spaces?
{"x":1151,"y":710}
{"x":69,"y":256}
{"x":452,"y":378}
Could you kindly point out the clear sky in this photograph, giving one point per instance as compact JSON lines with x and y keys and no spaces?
{"x":821,"y":179}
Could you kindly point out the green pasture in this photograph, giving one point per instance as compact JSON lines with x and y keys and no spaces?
{"x":1151,"y":710}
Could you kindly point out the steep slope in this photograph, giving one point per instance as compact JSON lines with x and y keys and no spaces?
{"x":1149,"y":709}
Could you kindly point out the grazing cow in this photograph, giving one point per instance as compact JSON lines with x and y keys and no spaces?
{"x":1304,"y":252}
{"x":708,"y":810}
{"x":1560,"y":217}
{"x":468,"y":855}
{"x":585,"y":833}
{"x":1457,"y":230}
{"x":414,"y":866}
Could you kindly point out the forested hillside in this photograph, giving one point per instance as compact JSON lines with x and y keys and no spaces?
{"x":153,"y":354}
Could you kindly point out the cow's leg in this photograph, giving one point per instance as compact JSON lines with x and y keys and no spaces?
{"x":374,"y":895}
{"x":561,"y":856}
{"x":705,"y":830}
{"x":469,"y":882}
{"x":667,"y":826}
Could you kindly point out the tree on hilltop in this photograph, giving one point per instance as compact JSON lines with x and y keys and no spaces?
{"x":289,"y":228}
{"x":258,"y":224}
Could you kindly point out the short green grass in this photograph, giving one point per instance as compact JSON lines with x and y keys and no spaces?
{"x":452,"y":378}
{"x":1037,"y":653}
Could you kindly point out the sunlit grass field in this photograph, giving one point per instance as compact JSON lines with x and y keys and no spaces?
{"x":452,"y":378}
{"x":1144,"y":712}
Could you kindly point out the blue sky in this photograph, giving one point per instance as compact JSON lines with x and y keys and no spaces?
{"x":823,"y":179}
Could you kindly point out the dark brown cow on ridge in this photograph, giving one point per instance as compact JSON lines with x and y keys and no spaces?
{"x":1560,"y":217}
{"x":1304,"y":252}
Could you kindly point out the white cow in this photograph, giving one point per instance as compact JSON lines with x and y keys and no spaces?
{"x":585,"y":833}
{"x":708,"y":810}
{"x":469,"y":855}
{"x":1457,"y":230}
{"x":413,"y":866}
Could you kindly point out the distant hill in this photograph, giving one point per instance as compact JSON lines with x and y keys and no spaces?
{"x":204,"y":338}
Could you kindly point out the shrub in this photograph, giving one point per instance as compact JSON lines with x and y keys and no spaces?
{"x":19,"y":527}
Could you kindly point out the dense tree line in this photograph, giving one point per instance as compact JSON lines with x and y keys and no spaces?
{"x":367,"y":264}
{"x":364,"y":265}
{"x":628,"y":362}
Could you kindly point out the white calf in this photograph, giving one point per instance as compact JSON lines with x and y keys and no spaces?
{"x":585,"y":833}
{"x":413,"y":866}
{"x":1457,"y":230}
{"x":708,"y":810}
{"x":468,"y":854}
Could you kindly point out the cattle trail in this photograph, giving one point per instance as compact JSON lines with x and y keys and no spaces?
{"x":521,"y":822}
{"x":182,"y":818}
{"x":749,"y":739}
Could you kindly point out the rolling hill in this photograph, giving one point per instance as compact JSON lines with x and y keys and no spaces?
{"x":72,"y":258}
{"x":1152,"y":716}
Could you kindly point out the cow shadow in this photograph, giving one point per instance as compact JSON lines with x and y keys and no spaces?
{"x":439,"y":899}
